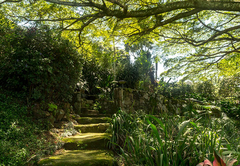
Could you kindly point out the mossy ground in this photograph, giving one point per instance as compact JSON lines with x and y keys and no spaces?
{"x":80,"y":158}
{"x":93,"y":120}
{"x":87,"y":141}
{"x":93,"y":128}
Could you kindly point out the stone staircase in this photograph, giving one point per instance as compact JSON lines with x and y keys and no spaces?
{"x":89,"y":148}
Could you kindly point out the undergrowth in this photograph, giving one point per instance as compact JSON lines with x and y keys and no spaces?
{"x":143,"y":139}
{"x":22,"y":142}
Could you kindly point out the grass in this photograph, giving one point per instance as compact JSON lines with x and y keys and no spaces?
{"x":143,"y":139}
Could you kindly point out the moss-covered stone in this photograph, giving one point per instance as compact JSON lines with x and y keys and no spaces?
{"x":95,"y":115}
{"x":92,"y":128}
{"x":81,"y":158}
{"x":87,"y":141}
{"x":91,"y":120}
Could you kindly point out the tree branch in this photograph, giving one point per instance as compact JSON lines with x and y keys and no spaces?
{"x":12,"y":1}
{"x":177,"y":17}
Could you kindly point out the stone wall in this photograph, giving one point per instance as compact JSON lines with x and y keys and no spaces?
{"x":129,"y":100}
{"x":132,"y":100}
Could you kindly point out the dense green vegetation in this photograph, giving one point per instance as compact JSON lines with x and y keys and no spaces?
{"x":50,"y":49}
{"x":39,"y":71}
{"x":22,"y":140}
{"x":185,"y":139}
{"x":144,"y":139}
{"x":36,"y":61}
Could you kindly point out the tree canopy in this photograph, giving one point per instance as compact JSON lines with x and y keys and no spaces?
{"x":204,"y":32}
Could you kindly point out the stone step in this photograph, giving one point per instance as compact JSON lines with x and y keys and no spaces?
{"x":92,"y":141}
{"x":92,"y":128}
{"x":92,"y":112}
{"x":95,"y":115}
{"x":81,"y":158}
{"x":92,"y":120}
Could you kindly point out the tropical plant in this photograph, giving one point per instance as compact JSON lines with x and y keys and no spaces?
{"x":218,"y":161}
{"x":145,"y":139}
{"x":98,"y":79}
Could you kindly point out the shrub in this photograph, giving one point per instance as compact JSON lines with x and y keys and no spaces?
{"x":38,"y":63}
{"x":98,"y":78}
{"x":231,"y":108}
{"x":206,"y":89}
{"x":129,"y":73}
{"x":147,"y":140}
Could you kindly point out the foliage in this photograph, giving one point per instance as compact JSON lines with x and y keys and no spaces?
{"x":144,"y":139}
{"x":218,"y":161}
{"x":129,"y":73}
{"x":178,"y":90}
{"x":231,"y":108}
{"x":206,"y":90}
{"x":143,"y":60}
{"x":98,"y":79}
{"x":22,"y":141}
{"x":192,"y":29}
{"x":38,"y":63}
{"x":229,"y":87}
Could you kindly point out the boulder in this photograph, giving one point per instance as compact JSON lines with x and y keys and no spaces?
{"x":60,"y":115}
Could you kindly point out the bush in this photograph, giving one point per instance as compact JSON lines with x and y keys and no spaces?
{"x":176,"y":90}
{"x":231,"y":108}
{"x":98,"y":78}
{"x":38,"y":63}
{"x":129,"y":73}
{"x":229,"y":87}
{"x":206,"y":90}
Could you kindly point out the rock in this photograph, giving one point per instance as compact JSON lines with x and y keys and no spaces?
{"x":74,"y":122}
{"x":127,"y":101}
{"x":38,"y":114}
{"x":54,"y":148}
{"x":84,"y":110}
{"x":145,"y":96}
{"x":75,"y":116}
{"x":60,"y":145}
{"x":53,"y":130}
{"x":77,"y":108}
{"x":69,"y":126}
{"x":74,"y":132}
{"x":66,"y":134}
{"x":60,"y":115}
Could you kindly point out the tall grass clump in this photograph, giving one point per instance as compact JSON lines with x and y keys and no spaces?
{"x":143,"y":139}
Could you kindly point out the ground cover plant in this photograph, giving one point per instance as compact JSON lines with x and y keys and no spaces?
{"x":143,"y":139}
{"x":22,"y":141}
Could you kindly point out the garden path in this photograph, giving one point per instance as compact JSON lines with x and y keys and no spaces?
{"x":89,"y":147}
